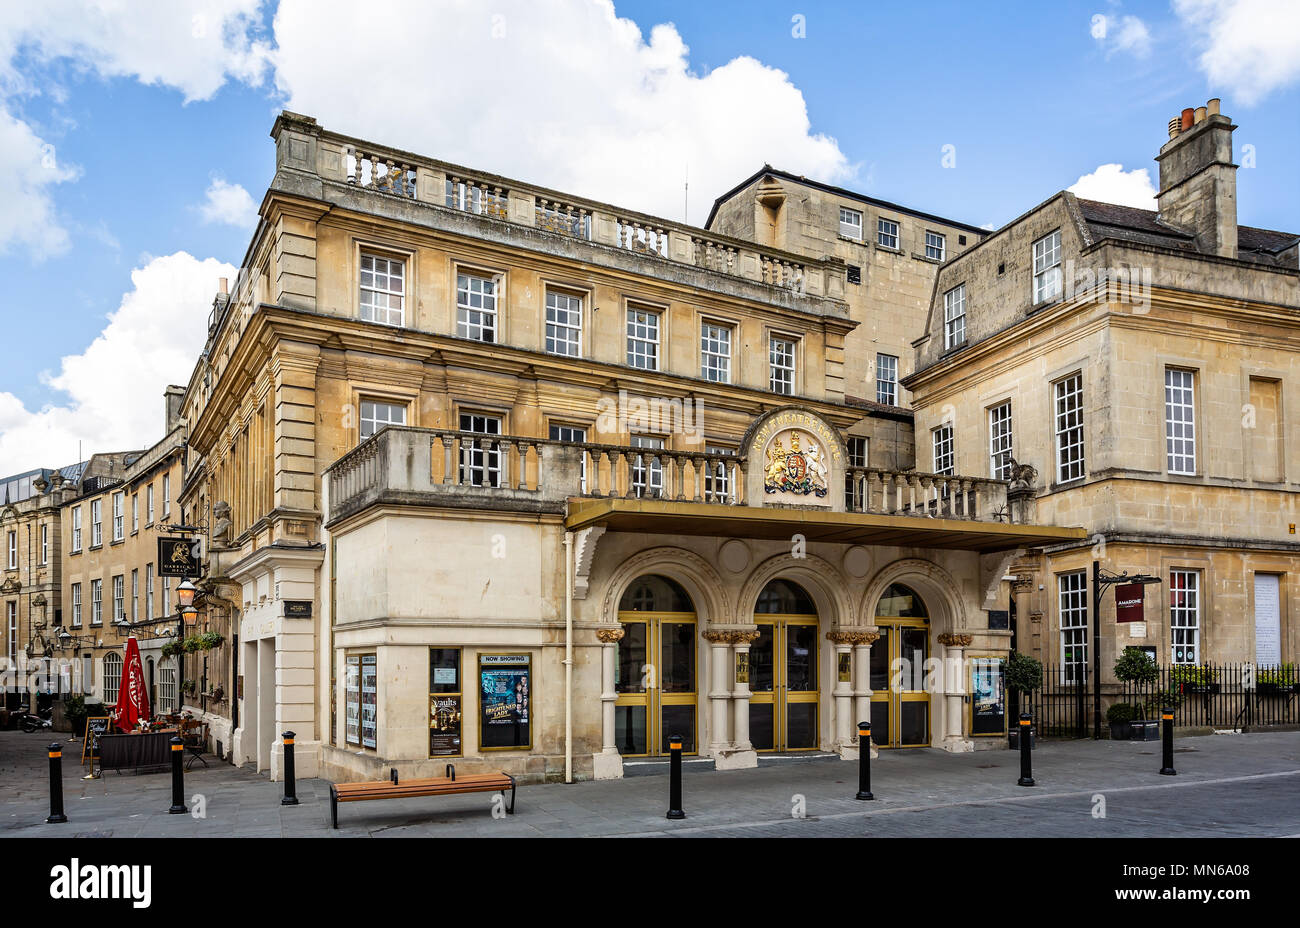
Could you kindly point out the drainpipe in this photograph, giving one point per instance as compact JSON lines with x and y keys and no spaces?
{"x":568,"y":657}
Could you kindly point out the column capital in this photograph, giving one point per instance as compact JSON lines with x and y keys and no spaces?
{"x":949,"y":640}
{"x":609,"y":635}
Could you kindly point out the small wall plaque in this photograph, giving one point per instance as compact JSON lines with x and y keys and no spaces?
{"x":297,"y":608}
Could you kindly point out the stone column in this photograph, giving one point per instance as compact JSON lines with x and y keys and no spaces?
{"x":608,"y":764}
{"x":954,"y":690}
{"x":742,"y":752}
{"x":720,"y":677}
{"x":843,"y":690}
{"x":862,"y":641}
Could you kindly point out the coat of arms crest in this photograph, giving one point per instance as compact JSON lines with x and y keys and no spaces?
{"x":798,"y":469}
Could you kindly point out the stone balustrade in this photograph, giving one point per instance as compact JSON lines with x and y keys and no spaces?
{"x":470,"y":469}
{"x":304,"y":146}
{"x":642,"y":237}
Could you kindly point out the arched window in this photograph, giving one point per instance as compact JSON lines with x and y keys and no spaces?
{"x":781,"y":597}
{"x":112,"y":677}
{"x":653,"y":593}
{"x":901,"y":602}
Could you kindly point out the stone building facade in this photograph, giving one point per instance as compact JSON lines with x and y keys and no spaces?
{"x":111,"y":586}
{"x":891,"y":254}
{"x":493,"y":472}
{"x":1134,"y":367}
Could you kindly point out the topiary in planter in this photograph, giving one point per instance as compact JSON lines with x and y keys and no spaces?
{"x":1134,"y":666}
{"x":1024,"y":674}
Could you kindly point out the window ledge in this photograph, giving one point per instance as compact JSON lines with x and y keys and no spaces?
{"x":891,"y":250}
{"x":927,"y":259}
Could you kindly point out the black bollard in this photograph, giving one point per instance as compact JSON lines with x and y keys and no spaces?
{"x":56,"y":785}
{"x":1167,"y":736}
{"x":290,"y":787}
{"x":178,"y":777}
{"x":1026,"y":760}
{"x":864,"y":761}
{"x":675,"y":778}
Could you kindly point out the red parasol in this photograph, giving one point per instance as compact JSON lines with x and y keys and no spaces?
{"x":132,"y":701}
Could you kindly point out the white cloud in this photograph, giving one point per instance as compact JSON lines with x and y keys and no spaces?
{"x":114,"y":388}
{"x":193,"y":46}
{"x":1121,"y":34}
{"x":1110,"y":183}
{"x":228,"y":203}
{"x":1248,"y":47}
{"x":190,"y":45}
{"x":565,"y":95}
{"x":28,"y":168}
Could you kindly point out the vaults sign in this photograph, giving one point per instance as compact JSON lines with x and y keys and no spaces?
{"x":178,"y":557}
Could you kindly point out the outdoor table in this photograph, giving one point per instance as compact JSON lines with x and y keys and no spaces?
{"x":135,"y":750}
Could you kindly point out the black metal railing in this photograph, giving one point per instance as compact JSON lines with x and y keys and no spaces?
{"x":1060,"y":708}
{"x":1219,"y":695}
{"x":1213,"y":695}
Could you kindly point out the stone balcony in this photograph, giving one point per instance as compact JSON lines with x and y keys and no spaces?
{"x":304,"y":148}
{"x":448,"y":469}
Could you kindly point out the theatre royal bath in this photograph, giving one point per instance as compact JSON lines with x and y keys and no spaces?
{"x":495,"y":473}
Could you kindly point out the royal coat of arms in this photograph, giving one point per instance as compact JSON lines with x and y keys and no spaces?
{"x":798,"y":469}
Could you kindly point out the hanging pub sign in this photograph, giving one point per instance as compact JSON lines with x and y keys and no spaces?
{"x":988,"y":705}
{"x":505,"y":688}
{"x":178,"y":557}
{"x":1129,"y":600}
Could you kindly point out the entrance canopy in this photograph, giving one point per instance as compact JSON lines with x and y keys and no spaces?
{"x":669,"y":517}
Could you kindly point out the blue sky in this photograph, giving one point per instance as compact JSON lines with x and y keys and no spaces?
{"x":117,"y":126}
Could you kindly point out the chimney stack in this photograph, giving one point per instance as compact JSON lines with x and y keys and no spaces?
{"x":173,"y":396}
{"x":1198,"y":181}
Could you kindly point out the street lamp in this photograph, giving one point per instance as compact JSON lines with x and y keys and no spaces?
{"x":185,"y":601}
{"x":1101,"y":582}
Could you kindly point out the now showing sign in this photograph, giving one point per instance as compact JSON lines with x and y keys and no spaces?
{"x":1129,"y":602}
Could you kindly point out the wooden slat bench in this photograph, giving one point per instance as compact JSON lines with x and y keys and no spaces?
{"x":448,"y":785}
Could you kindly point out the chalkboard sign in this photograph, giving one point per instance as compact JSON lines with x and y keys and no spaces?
{"x":988,"y":706}
{"x":95,"y":727}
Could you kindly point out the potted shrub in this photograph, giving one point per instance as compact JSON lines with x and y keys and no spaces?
{"x":1194,"y":679}
{"x":1024,"y":675}
{"x":1276,"y":681}
{"x":1135,"y":667}
{"x":1121,"y":716}
{"x":74,"y":710}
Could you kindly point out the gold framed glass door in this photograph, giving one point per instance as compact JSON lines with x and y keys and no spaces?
{"x":783,"y":684}
{"x":655,"y":674}
{"x":783,"y":671}
{"x":900,"y":705}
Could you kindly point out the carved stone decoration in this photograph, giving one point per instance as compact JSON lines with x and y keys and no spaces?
{"x":609,"y":635}
{"x":744,"y":637}
{"x":10,"y":586}
{"x":840,"y":636}
{"x":1023,"y":476}
{"x":221,"y":523}
{"x":716,"y":636}
{"x":584,"y":554}
{"x":799,"y":469}
{"x":949,"y":640}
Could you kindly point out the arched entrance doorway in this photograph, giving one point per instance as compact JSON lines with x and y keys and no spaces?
{"x":783,"y":670}
{"x":655,"y":676}
{"x":900,"y":705}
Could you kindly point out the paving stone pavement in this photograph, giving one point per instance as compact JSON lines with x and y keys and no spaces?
{"x":1227,"y":785}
